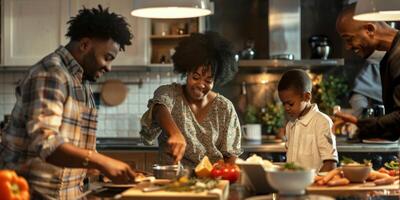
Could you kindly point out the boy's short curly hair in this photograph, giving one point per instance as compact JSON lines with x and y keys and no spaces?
{"x":99,"y":23}
{"x":206,"y":49}
{"x":296,"y":79}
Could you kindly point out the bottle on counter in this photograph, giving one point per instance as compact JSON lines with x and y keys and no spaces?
{"x":338,"y":128}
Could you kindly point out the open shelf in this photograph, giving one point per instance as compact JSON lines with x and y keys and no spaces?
{"x":167,"y":37}
{"x":275,"y":65}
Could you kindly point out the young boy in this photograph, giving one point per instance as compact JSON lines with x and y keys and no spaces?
{"x":311,"y":143}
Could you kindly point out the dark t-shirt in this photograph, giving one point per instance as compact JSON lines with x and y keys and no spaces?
{"x":387,"y":126}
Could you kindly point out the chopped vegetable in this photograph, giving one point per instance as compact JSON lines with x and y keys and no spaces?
{"x":349,"y":161}
{"x":392,"y":165}
{"x":192,"y":184}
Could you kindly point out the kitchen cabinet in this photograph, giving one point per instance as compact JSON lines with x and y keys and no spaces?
{"x":140,"y":160}
{"x":33,"y":29}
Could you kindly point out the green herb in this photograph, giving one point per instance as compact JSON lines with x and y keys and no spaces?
{"x":367,"y":162}
{"x":293,"y":167}
{"x":392,"y":165}
{"x":251,"y":115}
{"x":347,"y":160}
{"x":193,"y":185}
{"x":328,"y":92}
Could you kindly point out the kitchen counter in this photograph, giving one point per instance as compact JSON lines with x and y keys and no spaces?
{"x":135,"y":144}
{"x":239,"y":192}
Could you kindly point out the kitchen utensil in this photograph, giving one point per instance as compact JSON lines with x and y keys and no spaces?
{"x":323,"y":51}
{"x":319,"y":45}
{"x":113,"y":92}
{"x":253,"y":172}
{"x":166,"y":171}
{"x":248,"y":52}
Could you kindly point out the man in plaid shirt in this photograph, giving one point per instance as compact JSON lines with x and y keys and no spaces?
{"x":50,"y":139}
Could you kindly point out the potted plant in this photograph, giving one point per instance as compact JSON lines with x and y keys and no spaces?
{"x":329,"y":92}
{"x":272,"y":118}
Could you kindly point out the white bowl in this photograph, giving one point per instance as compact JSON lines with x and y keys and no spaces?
{"x":290,"y":182}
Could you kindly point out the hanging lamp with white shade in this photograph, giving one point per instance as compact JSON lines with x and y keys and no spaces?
{"x":171,"y":9}
{"x":377,"y":10}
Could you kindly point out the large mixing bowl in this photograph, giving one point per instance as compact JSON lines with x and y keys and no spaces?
{"x":290,"y":182}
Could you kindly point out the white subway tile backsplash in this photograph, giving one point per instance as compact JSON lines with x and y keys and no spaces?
{"x":118,"y":121}
{"x":9,"y":98}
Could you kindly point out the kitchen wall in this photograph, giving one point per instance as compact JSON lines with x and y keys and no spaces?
{"x":118,"y":121}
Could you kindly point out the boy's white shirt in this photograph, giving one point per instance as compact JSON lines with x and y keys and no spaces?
{"x":310,"y":140}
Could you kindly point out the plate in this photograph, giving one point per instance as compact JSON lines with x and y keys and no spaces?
{"x":304,"y":197}
{"x":379,"y":141}
{"x":148,"y":179}
{"x":113,"y":185}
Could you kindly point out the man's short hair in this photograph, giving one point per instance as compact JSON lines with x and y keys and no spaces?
{"x":99,"y":23}
{"x":297,"y":79}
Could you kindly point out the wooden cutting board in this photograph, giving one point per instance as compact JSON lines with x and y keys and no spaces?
{"x":352,"y":188}
{"x":219,"y":193}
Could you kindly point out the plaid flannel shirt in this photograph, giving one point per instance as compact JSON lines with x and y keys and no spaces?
{"x":53,"y":107}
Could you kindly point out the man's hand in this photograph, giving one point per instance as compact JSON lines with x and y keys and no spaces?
{"x":178,"y":145}
{"x":346,"y":117}
{"x":117,"y":171}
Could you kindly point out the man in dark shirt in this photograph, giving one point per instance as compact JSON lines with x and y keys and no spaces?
{"x":363,"y":37}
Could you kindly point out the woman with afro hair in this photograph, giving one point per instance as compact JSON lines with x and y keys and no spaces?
{"x":190,"y":120}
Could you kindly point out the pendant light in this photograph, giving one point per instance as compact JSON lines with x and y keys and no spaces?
{"x":377,"y":10}
{"x":170,"y":9}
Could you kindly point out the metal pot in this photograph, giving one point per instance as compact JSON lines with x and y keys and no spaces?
{"x":165,"y":171}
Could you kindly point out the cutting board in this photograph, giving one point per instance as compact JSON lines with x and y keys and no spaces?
{"x":352,"y":188}
{"x":219,"y":193}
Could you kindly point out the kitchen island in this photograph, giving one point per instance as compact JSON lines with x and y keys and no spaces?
{"x":239,"y":192}
{"x":263,"y":146}
{"x":142,"y":157}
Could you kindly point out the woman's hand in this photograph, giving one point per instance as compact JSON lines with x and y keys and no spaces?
{"x":178,"y":145}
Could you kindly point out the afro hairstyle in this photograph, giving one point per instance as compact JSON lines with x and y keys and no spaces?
{"x":100,"y":23}
{"x":206,"y":49}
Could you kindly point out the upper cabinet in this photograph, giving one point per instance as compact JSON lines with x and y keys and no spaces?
{"x":32,"y":29}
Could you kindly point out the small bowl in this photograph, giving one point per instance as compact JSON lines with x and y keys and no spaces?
{"x":356,"y":173}
{"x":165,"y":171}
{"x":291,"y":182}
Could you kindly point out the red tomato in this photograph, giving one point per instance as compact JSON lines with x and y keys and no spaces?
{"x":228,"y":172}
{"x":231,"y":173}
{"x":392,"y":172}
{"x":216,"y":172}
